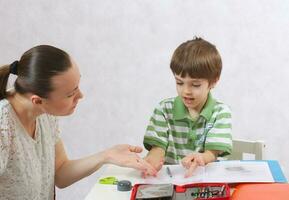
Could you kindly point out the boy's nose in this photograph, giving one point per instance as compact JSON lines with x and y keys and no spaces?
{"x":187,"y":90}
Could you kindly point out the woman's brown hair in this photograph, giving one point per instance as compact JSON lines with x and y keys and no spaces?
{"x":34,"y":70}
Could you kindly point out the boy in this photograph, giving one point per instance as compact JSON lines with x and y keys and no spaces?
{"x":193,"y":127}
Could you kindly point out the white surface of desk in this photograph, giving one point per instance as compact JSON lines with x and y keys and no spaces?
{"x":110,"y":192}
{"x":106,"y":192}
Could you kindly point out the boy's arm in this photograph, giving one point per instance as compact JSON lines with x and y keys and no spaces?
{"x":156,"y":138}
{"x":210,"y":156}
{"x":156,"y":157}
{"x":219,"y":137}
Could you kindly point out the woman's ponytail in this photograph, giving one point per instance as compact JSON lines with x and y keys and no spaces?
{"x":4,"y":75}
{"x":35,"y":70}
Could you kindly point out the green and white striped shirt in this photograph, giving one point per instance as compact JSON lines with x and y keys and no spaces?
{"x":172,"y":129}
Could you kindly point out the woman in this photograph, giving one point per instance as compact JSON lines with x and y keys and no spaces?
{"x":32,"y":156}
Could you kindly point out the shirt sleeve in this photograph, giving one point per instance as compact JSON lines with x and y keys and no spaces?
{"x":157,"y":131}
{"x":57,"y":131}
{"x":54,"y":123}
{"x":5,"y":145}
{"x":219,"y":136}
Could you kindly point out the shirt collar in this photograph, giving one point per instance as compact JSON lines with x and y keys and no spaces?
{"x":180,"y":111}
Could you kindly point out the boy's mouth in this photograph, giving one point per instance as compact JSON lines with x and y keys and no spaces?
{"x":188,"y":100}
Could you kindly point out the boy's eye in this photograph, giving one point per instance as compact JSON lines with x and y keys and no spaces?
{"x":196,"y":85}
{"x":179,"y":83}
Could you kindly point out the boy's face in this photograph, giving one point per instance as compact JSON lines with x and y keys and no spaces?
{"x":193,"y":91}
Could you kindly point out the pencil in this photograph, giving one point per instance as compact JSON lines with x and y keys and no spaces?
{"x":169,"y":172}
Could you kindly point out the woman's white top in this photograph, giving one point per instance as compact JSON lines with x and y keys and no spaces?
{"x":27,"y":165}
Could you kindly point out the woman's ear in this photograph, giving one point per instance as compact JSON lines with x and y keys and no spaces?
{"x":36,"y":100}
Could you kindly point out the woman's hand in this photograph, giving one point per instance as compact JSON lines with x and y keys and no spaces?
{"x":69,"y":171}
{"x":191,"y":162}
{"x":125,"y":155}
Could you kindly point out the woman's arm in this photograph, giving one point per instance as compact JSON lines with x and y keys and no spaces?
{"x":69,"y":171}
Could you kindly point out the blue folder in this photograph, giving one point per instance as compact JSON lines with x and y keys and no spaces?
{"x":276,"y":170}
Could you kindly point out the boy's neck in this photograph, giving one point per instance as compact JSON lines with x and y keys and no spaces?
{"x":194,"y":113}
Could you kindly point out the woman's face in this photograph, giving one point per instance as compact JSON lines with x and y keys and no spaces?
{"x":64,"y":98}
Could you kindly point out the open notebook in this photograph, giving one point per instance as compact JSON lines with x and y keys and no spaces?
{"x":265,"y":171}
{"x":225,"y":171}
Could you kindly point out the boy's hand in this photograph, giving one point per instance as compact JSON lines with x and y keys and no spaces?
{"x":191,"y":162}
{"x":156,"y":158}
{"x":156,"y":163}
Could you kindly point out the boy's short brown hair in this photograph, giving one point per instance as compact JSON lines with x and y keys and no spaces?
{"x":197,"y":58}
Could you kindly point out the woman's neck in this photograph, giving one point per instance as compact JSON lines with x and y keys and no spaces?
{"x":26,"y":112}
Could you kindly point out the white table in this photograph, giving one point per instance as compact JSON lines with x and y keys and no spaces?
{"x":110,"y":192}
{"x":106,"y":192}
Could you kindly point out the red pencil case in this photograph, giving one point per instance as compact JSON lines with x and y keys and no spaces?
{"x":194,"y":191}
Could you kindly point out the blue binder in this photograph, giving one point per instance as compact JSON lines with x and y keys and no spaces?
{"x":275,"y":169}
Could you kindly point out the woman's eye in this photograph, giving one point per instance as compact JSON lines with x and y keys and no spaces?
{"x":178,"y":83}
{"x":71,"y":95}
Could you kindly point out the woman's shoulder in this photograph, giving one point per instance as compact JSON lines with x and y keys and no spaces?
{"x":48,"y":117}
{"x":7,"y":128}
{"x":49,"y":124}
{"x":4,"y":105}
{"x":5,"y":114}
{"x":48,"y":120}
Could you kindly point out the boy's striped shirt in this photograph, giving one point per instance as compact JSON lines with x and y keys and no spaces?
{"x":172,"y":129}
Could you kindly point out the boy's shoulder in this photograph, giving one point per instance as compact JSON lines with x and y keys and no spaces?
{"x":169,"y":103}
{"x":169,"y":100}
{"x":166,"y":104}
{"x":221,"y":106}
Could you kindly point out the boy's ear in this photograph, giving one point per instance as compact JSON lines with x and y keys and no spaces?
{"x":36,"y":100}
{"x":213,"y":83}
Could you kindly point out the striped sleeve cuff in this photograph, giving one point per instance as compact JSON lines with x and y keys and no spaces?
{"x":225,"y":149}
{"x":150,"y":142}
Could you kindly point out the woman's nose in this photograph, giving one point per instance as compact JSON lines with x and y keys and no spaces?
{"x":80,"y":95}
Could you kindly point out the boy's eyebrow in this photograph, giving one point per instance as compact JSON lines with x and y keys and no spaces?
{"x":178,"y":79}
{"x":193,"y":80}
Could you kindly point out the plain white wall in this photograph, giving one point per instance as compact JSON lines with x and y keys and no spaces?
{"x":123,"y":49}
